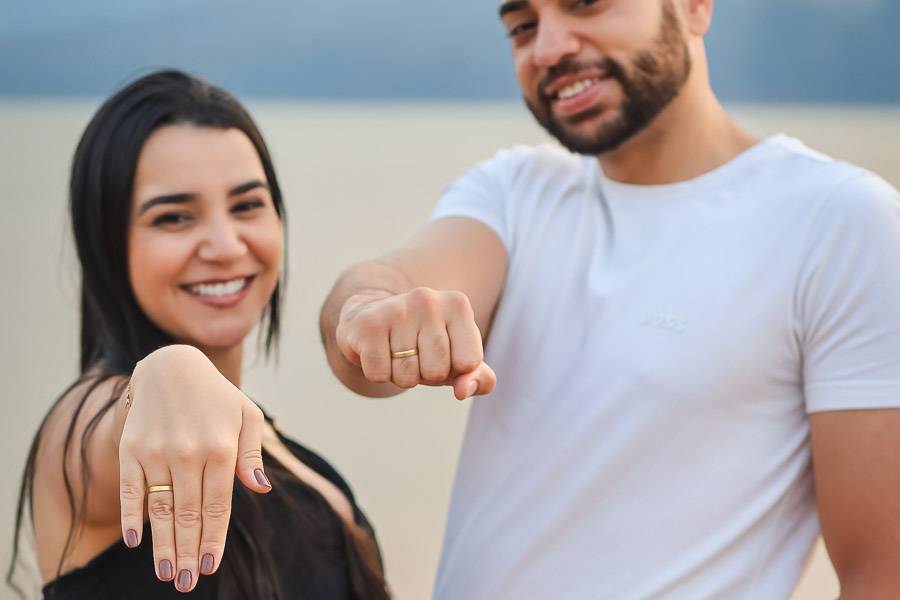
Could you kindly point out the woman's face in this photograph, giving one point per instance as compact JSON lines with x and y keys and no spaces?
{"x":205,"y":245}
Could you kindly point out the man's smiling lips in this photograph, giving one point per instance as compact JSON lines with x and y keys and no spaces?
{"x":575,"y":93}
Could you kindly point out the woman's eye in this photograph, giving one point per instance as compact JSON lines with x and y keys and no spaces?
{"x":172,"y":219}
{"x":247,"y":206}
{"x":585,"y":2}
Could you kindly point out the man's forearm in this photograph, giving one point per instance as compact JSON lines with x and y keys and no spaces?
{"x":871,"y":590}
{"x":369,"y":278}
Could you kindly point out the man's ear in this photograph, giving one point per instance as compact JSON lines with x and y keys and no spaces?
{"x":698,"y":16}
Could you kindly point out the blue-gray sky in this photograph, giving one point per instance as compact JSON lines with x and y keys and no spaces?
{"x":760,"y":50}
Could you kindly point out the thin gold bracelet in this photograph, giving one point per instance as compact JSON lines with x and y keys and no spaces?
{"x":129,"y":397}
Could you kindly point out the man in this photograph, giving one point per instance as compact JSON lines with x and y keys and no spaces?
{"x":683,"y":321}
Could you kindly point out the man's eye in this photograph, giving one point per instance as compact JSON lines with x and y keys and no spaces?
{"x":172,"y":219}
{"x":521,"y":29}
{"x":585,"y":2}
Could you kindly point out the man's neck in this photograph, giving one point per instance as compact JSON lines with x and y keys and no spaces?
{"x":692,"y":136}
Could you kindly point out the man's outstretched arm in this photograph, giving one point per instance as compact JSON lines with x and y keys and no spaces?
{"x":856,"y":458}
{"x":437,"y":294}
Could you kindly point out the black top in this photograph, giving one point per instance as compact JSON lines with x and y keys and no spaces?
{"x":306,"y":541}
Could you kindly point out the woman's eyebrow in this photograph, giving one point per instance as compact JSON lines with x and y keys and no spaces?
{"x":181,"y":198}
{"x":246,"y":187}
{"x":185,"y":197}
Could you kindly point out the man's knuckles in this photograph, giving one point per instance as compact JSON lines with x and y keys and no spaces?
{"x":376,"y":374}
{"x":372,"y":323}
{"x":428,"y":304}
{"x":467,"y":363}
{"x":424,"y":301}
{"x":420,"y":304}
{"x":436,"y":374}
{"x":458,"y":305}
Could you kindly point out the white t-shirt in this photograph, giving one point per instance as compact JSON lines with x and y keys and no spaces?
{"x":657,"y":350}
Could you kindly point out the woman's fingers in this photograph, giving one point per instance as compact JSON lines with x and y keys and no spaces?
{"x":189,"y":506}
{"x":131,"y":498}
{"x":178,"y":452}
{"x":186,"y":479}
{"x":161,"y":510}
{"x":218,"y":480}
{"x":249,"y":468}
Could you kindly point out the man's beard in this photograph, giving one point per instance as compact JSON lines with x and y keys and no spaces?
{"x":658,"y":75}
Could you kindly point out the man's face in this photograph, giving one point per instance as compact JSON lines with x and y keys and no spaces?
{"x":596,"y":72}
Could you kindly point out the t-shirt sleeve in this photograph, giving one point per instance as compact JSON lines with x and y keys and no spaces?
{"x":849,"y":299}
{"x":481,"y":194}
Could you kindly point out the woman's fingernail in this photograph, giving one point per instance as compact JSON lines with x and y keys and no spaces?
{"x":165,"y":570}
{"x":206,"y":564}
{"x":261,"y":478}
{"x":131,"y":538}
{"x":184,"y":580}
{"x":473,"y":387}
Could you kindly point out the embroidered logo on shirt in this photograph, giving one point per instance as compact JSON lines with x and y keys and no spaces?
{"x":667,"y":322}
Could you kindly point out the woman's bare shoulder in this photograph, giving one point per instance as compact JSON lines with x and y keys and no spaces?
{"x":53,"y":497}
{"x":81,"y":407}
{"x":72,"y":412}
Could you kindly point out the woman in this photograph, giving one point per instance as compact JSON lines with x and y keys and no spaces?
{"x":178,"y":222}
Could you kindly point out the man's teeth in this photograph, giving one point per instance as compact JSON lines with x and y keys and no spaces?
{"x":575,"y":88}
{"x":218,"y":289}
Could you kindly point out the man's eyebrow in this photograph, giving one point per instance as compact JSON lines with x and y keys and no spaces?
{"x":512,"y":6}
{"x":246,"y":187}
{"x":167,"y":199}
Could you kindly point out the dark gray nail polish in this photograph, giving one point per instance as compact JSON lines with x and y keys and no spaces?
{"x":131,"y":538}
{"x":166,"y":570}
{"x":184,"y":579}
{"x":206,"y":564}
{"x":261,"y":478}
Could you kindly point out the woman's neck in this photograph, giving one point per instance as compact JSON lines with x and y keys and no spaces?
{"x":229,"y":362}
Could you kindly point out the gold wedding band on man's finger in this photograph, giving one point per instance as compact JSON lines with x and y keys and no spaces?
{"x":159,"y":488}
{"x":405,"y":353}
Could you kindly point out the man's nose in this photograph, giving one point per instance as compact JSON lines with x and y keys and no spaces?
{"x":222,"y":242}
{"x":554,"y":41}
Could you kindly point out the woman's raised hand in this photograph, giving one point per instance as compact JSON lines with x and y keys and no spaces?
{"x":189,"y":430}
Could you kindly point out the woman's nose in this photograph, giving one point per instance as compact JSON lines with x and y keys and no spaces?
{"x":222,"y":242}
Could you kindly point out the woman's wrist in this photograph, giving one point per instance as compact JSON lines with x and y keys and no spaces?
{"x":178,"y":366}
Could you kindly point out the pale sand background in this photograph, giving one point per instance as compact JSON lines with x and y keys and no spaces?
{"x":357,"y":179}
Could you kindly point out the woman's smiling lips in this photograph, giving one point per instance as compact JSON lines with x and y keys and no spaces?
{"x":222,"y":293}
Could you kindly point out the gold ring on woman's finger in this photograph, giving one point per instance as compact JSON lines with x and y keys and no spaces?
{"x":159,"y":488}
{"x":405,"y":353}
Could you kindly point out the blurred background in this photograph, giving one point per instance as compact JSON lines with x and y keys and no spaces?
{"x":370,"y":108}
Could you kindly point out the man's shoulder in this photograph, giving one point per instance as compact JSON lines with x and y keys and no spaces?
{"x":840,"y":192}
{"x":523,"y":162}
{"x":792,"y":161}
{"x":790,"y":178}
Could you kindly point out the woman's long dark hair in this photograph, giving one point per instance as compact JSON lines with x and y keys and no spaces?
{"x":116,"y":334}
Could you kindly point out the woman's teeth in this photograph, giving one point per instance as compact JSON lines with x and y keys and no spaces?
{"x":575,"y":89}
{"x":226,"y":288}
